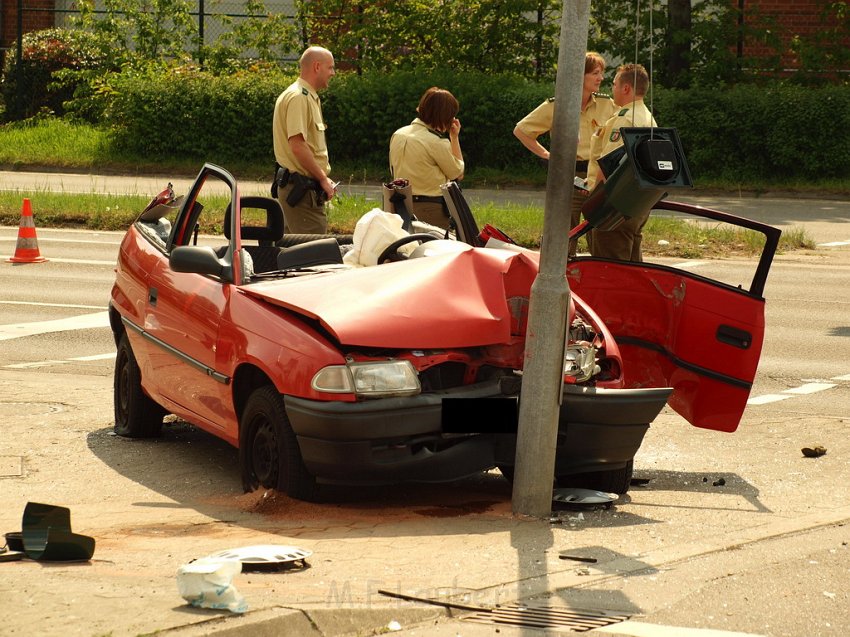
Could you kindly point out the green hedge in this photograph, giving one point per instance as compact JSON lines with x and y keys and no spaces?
{"x":746,"y":132}
{"x":363,"y":111}
{"x":749,"y":132}
{"x":37,"y":82}
{"x":188,"y":113}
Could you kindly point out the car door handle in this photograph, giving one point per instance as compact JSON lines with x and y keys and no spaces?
{"x":734,"y":336}
{"x":152,"y":296}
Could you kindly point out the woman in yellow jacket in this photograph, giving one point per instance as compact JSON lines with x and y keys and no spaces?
{"x":427,"y":153}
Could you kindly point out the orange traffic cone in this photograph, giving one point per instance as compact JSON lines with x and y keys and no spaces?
{"x":26,"y":250}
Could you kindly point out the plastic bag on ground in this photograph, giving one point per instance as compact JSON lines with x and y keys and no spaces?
{"x":207,"y":584}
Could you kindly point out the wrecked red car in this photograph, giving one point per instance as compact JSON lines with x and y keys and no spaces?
{"x":318,"y":371}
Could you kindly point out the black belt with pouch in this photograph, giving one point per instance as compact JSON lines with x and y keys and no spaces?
{"x":300,"y":186}
{"x":428,"y":199}
{"x":281,"y":178}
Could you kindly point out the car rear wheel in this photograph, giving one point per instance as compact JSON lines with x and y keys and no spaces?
{"x":136,"y":415}
{"x":611,"y":481}
{"x":268,"y":449}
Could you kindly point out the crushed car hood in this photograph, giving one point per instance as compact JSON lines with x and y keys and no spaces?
{"x":452,"y":300}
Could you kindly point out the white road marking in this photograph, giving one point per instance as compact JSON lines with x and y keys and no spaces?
{"x":50,"y":362}
{"x":44,"y":239}
{"x":809,"y":388}
{"x":84,"y":322}
{"x":94,"y":357}
{"x":53,"y":260}
{"x":38,"y":304}
{"x":46,"y":363}
{"x":833,"y":244}
{"x":768,"y":398}
{"x":845,"y":377}
{"x":689,"y":264}
{"x":804,"y":389}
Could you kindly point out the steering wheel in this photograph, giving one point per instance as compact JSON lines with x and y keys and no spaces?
{"x":391,"y":253}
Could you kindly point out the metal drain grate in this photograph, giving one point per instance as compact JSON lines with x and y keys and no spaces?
{"x":552,"y":617}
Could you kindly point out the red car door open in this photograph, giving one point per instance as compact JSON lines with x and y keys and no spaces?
{"x":679,"y":329}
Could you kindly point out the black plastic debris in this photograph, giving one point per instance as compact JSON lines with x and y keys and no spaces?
{"x":47,"y":535}
{"x":15,"y":541}
{"x":578,"y":558}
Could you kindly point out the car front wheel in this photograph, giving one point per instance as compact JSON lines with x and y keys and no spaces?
{"x":136,"y":415}
{"x":268,"y":450}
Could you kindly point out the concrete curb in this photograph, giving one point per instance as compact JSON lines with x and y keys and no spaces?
{"x":307,"y":622}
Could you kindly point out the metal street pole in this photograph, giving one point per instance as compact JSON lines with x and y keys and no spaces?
{"x":550,"y":293}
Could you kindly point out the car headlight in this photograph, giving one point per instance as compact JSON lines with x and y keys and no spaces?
{"x":580,"y":361}
{"x":373,"y":379}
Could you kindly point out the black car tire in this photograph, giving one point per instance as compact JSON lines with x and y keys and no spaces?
{"x":610,"y":481}
{"x":269,"y":451}
{"x":136,"y":415}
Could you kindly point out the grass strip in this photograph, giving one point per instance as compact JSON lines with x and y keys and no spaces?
{"x":663,"y":236}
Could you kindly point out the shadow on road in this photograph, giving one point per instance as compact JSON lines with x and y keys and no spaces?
{"x":199,"y":471}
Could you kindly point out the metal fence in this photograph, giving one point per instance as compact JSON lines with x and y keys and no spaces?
{"x":213,"y":19}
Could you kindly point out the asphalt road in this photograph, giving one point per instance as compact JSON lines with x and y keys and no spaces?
{"x":763,"y":553}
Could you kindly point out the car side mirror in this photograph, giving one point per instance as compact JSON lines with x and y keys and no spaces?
{"x":199,"y":260}
{"x":638,"y":176}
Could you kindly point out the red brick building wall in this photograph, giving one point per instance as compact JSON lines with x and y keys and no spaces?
{"x":793,"y":17}
{"x":43,"y":18}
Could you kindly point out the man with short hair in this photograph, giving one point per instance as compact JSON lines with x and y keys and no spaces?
{"x":298,"y":130}
{"x":630,"y":85}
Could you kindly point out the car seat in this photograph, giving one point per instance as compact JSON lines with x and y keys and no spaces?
{"x":459,"y":211}
{"x":264,"y":254}
{"x":309,"y":254}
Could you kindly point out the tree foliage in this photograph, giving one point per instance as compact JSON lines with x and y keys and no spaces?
{"x":829,"y":48}
{"x":687,"y":42}
{"x":257,"y":35}
{"x":513,"y":36}
{"x":710,"y":43}
{"x":167,"y":30}
{"x":148,"y":29}
{"x":54,"y":62}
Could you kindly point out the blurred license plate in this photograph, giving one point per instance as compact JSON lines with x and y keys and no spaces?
{"x":480,"y":415}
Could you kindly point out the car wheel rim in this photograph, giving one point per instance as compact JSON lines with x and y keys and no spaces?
{"x":264,"y":454}
{"x":123,"y":386}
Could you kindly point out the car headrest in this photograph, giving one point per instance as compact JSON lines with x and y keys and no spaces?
{"x":271,"y":232}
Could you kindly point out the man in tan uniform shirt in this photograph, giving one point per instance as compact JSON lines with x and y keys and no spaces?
{"x":595,"y":111}
{"x":298,"y":131}
{"x":630,"y":85}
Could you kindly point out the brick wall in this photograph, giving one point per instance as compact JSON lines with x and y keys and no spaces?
{"x":32,"y":20}
{"x":795,"y":17}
